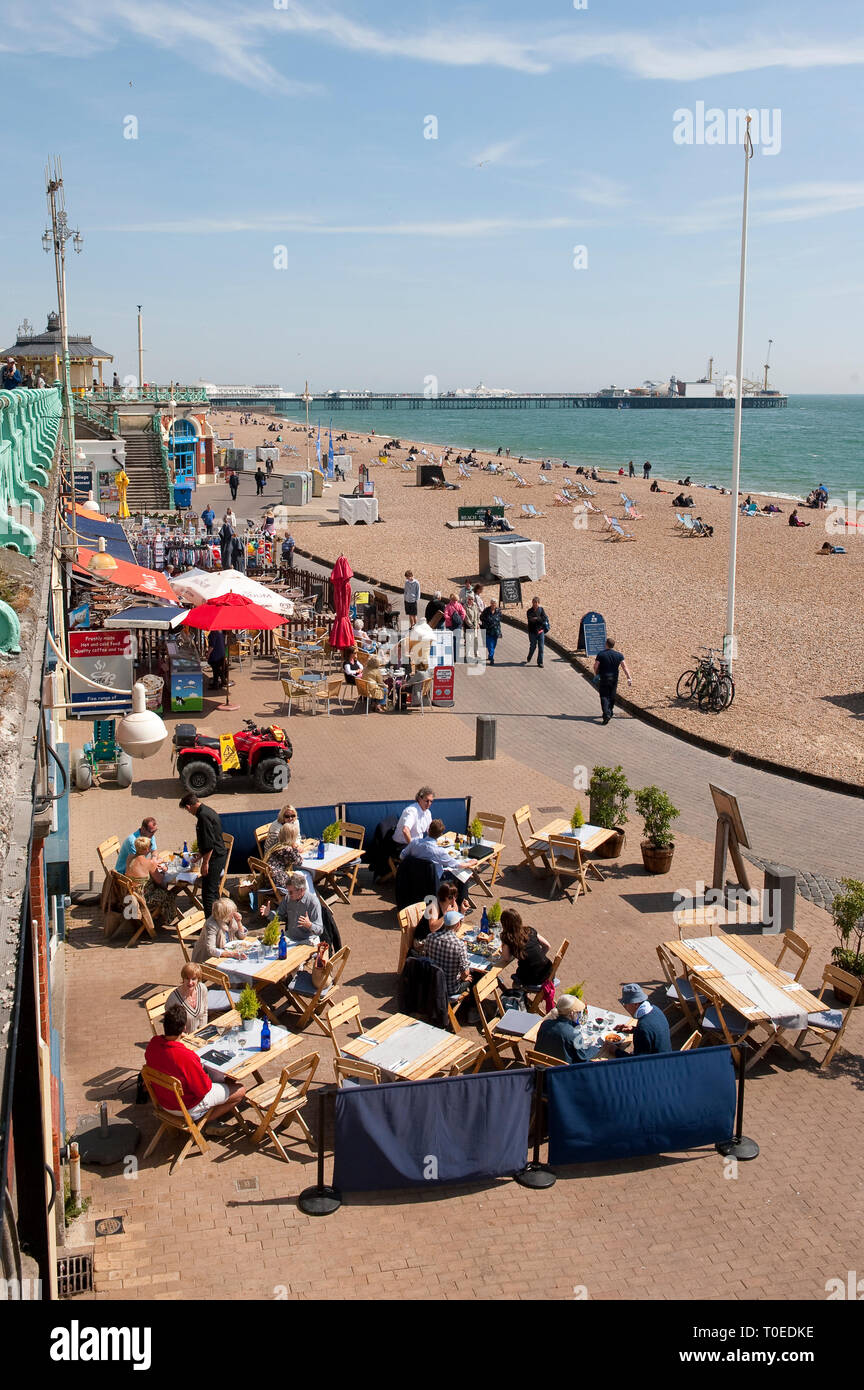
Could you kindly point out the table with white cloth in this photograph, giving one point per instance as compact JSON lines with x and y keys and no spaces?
{"x":354,"y":509}
{"x":742,"y":978}
{"x":244,"y":1046}
{"x":407,"y":1050}
{"x":323,"y":870}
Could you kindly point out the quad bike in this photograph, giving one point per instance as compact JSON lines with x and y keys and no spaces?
{"x":100,"y":755}
{"x":202,"y":762}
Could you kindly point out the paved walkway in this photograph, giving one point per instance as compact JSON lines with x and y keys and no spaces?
{"x":549,"y":720}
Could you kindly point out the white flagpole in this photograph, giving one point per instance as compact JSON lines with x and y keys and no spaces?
{"x":729,"y":639}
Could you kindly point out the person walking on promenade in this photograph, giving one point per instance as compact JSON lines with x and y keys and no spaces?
{"x":490,"y":621}
{"x":411,"y":596}
{"x":260,"y":480}
{"x":288,"y":551}
{"x":538,"y":626}
{"x":632,"y":469}
{"x":606,"y":667}
{"x":208,"y":516}
{"x":233,"y":483}
{"x":646,"y":470}
{"x":210,"y":845}
{"x":226,"y":536}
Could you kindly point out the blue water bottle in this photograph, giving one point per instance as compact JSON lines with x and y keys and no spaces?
{"x":484,"y":921}
{"x":265,"y":1035}
{"x":283,"y":945}
{"x":185,"y":855}
{"x":320,"y":849}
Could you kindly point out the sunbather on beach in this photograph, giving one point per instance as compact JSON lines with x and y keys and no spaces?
{"x":795,"y":520}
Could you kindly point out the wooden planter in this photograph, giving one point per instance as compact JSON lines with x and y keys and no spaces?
{"x":610,"y":849}
{"x":657,"y":861}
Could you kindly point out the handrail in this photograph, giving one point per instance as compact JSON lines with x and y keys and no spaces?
{"x":29,"y":426}
{"x":159,"y":395}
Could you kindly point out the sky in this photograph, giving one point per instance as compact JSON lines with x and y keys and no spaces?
{"x":375,"y":195}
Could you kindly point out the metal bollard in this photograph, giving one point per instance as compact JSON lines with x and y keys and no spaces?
{"x":487,"y":732}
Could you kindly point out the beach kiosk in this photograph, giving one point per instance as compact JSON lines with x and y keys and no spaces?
{"x":508,"y":556}
{"x":296,"y":489}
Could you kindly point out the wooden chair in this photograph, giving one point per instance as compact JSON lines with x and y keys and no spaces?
{"x":487,"y":988}
{"x":356,"y":1073}
{"x":409,"y":919}
{"x":493,"y":829}
{"x":534,"y":996}
{"x":542,"y":1060}
{"x":295,"y":691}
{"x":221,"y":995}
{"x":722,"y":1018}
{"x":680,"y":991}
{"x":278,"y":1103}
{"x":327,"y":690}
{"x":693,"y":1041}
{"x":337,"y":1015}
{"x":228,"y":841}
{"x":261,"y":838}
{"x":130,"y":894}
{"x":533,"y":850}
{"x":570,"y":866}
{"x":796,"y":946}
{"x":155,"y":1006}
{"x":830,"y":1025}
{"x":108,"y":850}
{"x":188,"y":929}
{"x":471,"y":1061}
{"x":352,"y":837}
{"x":182,"y":1121}
{"x":306,"y":999}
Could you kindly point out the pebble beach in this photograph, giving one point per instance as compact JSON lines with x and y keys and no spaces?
{"x":799,"y":672}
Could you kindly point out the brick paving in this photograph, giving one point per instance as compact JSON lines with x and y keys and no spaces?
{"x":665,"y":1227}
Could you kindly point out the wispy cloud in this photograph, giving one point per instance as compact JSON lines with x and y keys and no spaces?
{"x":802,"y":202}
{"x":288,"y":225}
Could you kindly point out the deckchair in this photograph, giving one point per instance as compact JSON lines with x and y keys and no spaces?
{"x":631,"y":514}
{"x":619,"y":534}
{"x":561,"y":500}
{"x":499,"y":502}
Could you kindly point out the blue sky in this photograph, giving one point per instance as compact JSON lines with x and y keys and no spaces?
{"x":303,"y":126}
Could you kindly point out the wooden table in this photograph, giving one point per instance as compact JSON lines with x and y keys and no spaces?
{"x":800,"y":1000}
{"x":263,"y":972}
{"x":493,"y":855}
{"x":171,"y":860}
{"x":324,"y":871}
{"x":437,"y":1059}
{"x":281,"y":1041}
{"x":591,"y":838}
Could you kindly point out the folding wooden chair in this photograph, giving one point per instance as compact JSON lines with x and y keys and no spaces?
{"x":409,"y":919}
{"x":278,"y":1103}
{"x":721,"y":1018}
{"x":471,"y":1061}
{"x":228,"y":841}
{"x":352,"y":837}
{"x":182,"y":1121}
{"x":335,"y":1016}
{"x":493,"y":829}
{"x":306,"y":999}
{"x":542,"y":1060}
{"x":680,"y":991}
{"x":796,"y":946}
{"x":830,"y":1025}
{"x":261,"y":838}
{"x":352,"y":1072}
{"x":155,"y":1006}
{"x":693,"y":1041}
{"x":534,"y":996}
{"x":570,"y":866}
{"x":487,"y":988}
{"x":532,"y":848}
{"x":221,"y":995}
{"x":108,"y":850}
{"x":188,"y":929}
{"x":134,"y":908}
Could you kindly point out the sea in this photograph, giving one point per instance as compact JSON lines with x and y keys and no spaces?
{"x":784,"y":451}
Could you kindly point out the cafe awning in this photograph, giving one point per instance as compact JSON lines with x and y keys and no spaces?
{"x":128,"y":576}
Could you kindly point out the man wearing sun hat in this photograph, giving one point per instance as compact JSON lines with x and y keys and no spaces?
{"x":650,"y":1031}
{"x":559,"y":1034}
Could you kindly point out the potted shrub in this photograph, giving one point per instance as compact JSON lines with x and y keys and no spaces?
{"x":247,"y":1007}
{"x":577,"y":820}
{"x":847,"y":910}
{"x":657,"y":813}
{"x":270,"y":934}
{"x":331,"y":832}
{"x":475,"y":830}
{"x":609,"y":793}
{"x":493,"y":916}
{"x":577,"y":990}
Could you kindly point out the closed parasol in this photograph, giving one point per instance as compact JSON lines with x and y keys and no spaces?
{"x":232,"y":613}
{"x":342,"y":633}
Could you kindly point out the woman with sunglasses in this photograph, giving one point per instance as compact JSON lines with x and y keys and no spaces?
{"x":287,"y":814}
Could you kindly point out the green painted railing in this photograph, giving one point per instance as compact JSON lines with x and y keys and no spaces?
{"x":158,"y":395}
{"x":29,"y":423}
{"x":163,"y":452}
{"x":109,"y":420}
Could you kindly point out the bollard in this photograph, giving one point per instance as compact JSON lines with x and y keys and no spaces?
{"x":487,"y":729}
{"x":74,"y":1174}
{"x":780,"y":885}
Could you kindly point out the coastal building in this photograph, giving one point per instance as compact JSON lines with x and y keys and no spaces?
{"x":43,"y":352}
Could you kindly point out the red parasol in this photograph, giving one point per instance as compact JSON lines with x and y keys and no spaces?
{"x":232,"y":613}
{"x":342,"y":633}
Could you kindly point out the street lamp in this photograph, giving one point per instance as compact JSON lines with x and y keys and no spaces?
{"x":56,"y":237}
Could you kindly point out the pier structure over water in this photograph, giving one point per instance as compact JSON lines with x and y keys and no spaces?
{"x":288,"y":405}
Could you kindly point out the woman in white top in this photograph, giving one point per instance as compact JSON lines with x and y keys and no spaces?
{"x":353,"y":667}
{"x":191,"y":995}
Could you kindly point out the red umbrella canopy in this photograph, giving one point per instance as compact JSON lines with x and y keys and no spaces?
{"x":342,"y":633}
{"x":233,"y":613}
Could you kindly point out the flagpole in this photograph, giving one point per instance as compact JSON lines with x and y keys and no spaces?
{"x":729,"y":638}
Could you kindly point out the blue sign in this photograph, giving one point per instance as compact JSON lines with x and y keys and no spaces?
{"x":83,"y":482}
{"x":79,"y":617}
{"x":592,"y":634}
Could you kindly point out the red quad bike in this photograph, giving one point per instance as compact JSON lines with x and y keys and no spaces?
{"x":263,"y":754}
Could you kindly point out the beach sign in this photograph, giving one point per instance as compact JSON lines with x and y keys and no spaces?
{"x":442,"y":685}
{"x":510,"y":591}
{"x":592,"y":634}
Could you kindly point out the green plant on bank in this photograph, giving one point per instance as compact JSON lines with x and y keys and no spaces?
{"x":847,"y":910}
{"x":494,"y":913}
{"x":577,"y":820}
{"x":610,"y":792}
{"x":70,"y":1211}
{"x":657,"y":813}
{"x":271,"y":933}
{"x":331,"y":832}
{"x":577,"y":990}
{"x":476,"y":829}
{"x":247,"y":1005}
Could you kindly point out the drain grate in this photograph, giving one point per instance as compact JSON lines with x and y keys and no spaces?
{"x":74,"y":1275}
{"x":246,"y":1185}
{"x":110,"y":1226}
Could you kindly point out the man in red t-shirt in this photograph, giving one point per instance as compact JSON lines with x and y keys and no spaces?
{"x":201,"y":1096}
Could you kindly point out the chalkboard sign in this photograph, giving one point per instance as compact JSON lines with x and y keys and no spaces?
{"x":592,"y":634}
{"x":510,"y":591}
{"x":478,"y":513}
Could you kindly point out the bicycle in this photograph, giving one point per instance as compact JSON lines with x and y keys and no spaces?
{"x":710,"y":684}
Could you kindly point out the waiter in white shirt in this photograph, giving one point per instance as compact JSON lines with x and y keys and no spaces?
{"x":414,"y":820}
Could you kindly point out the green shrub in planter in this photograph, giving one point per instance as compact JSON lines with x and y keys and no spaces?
{"x":331,"y":832}
{"x":475,"y":829}
{"x":271,"y":933}
{"x":610,"y":793}
{"x":247,"y":1005}
{"x":577,"y":820}
{"x":847,"y":910}
{"x":493,"y":916}
{"x":657,"y":813}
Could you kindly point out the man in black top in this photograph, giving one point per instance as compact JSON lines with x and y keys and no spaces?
{"x":646,"y":470}
{"x":606,"y":667}
{"x":538,"y":626}
{"x":260,"y":480}
{"x":434,"y":606}
{"x":211,"y":847}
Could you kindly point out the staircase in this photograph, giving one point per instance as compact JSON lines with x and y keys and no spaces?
{"x":148,"y":489}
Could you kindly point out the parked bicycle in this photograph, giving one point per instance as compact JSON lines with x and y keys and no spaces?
{"x":710,"y":683}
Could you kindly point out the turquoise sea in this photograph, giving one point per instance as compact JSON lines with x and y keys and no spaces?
{"x":815,"y":439}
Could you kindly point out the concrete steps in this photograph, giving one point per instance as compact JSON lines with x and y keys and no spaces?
{"x":148,"y":490}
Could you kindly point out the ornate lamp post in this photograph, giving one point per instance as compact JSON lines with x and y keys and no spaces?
{"x":55,"y":238}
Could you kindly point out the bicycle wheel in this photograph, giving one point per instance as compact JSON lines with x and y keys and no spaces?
{"x":708,"y":694}
{"x":686,"y":687}
{"x":727,"y":686}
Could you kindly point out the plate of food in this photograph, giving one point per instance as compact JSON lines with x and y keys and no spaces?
{"x":614,"y":1038}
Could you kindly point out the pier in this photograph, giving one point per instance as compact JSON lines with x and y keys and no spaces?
{"x":580,"y":401}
